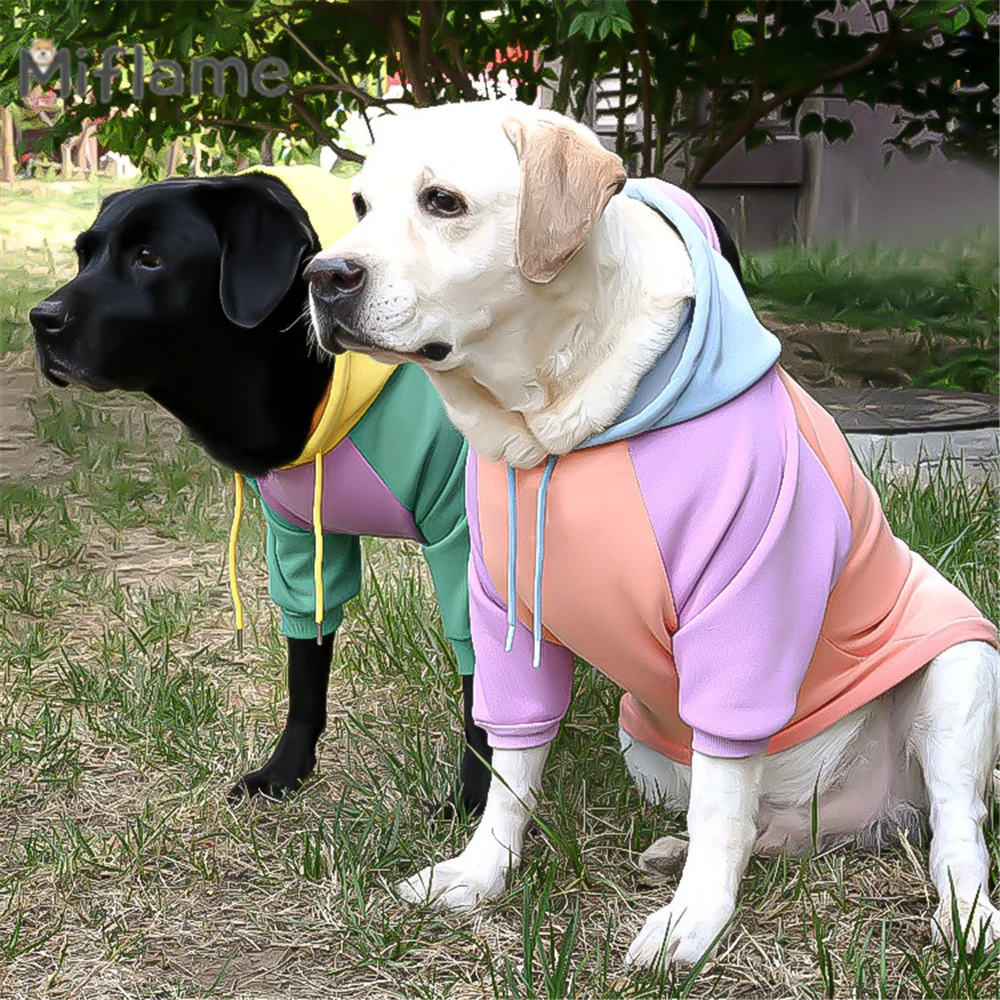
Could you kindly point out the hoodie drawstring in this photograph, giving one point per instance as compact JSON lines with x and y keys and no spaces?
{"x":234,"y":587}
{"x":536,"y":625}
{"x":317,"y":520}
{"x":543,"y":492}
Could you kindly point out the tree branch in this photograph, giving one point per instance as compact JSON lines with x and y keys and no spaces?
{"x":622,"y":112}
{"x":758,"y":49}
{"x":756,"y":110}
{"x":362,"y":96}
{"x":461,"y":82}
{"x":229,"y":123}
{"x":397,"y":30}
{"x":645,"y":88}
{"x":321,"y":133}
{"x":424,"y":37}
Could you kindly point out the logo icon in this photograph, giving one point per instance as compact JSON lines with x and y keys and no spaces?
{"x":43,"y":51}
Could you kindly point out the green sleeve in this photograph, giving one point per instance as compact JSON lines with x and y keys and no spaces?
{"x":448,"y":561}
{"x":424,"y":468}
{"x":290,"y":555}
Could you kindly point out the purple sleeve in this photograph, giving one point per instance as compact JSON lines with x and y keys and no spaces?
{"x":753,"y":536}
{"x":518,"y":705}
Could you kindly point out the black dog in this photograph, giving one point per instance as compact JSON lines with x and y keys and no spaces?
{"x":190,"y":292}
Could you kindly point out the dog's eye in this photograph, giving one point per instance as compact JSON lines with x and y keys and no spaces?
{"x":437,"y":201}
{"x":360,"y":208}
{"x":146,"y":258}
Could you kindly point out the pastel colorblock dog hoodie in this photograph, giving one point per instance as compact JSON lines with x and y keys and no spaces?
{"x":716,"y":552}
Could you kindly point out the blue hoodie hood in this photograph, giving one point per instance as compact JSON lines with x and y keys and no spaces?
{"x":720,"y":351}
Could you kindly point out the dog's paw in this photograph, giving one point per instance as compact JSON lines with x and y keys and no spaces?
{"x":269,"y":781}
{"x":460,"y":805}
{"x":522,"y":452}
{"x":452,"y":885}
{"x":976,"y":920}
{"x":680,"y":933}
{"x":559,"y":429}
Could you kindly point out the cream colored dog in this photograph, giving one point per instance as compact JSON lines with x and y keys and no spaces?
{"x":494,"y":249}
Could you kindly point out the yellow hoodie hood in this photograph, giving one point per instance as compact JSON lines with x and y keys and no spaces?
{"x":357,"y":379}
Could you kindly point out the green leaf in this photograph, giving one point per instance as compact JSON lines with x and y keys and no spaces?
{"x":837,"y":128}
{"x":811,"y":122}
{"x":184,"y":39}
{"x":757,"y":137}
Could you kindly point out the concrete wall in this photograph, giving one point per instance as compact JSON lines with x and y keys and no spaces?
{"x":861,"y":199}
{"x":814,"y":191}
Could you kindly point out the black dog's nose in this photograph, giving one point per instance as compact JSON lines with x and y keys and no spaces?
{"x":335,"y":277}
{"x":48,"y":317}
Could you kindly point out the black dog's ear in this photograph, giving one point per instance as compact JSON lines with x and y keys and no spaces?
{"x":263,"y":244}
{"x":108,"y":200}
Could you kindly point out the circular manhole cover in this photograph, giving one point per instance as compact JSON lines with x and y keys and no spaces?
{"x":907,"y":411}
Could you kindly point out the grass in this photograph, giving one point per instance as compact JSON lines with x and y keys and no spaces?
{"x":125,"y":713}
{"x":942,"y":302}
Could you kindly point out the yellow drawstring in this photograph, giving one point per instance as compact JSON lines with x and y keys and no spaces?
{"x":234,"y":587}
{"x":318,"y":544}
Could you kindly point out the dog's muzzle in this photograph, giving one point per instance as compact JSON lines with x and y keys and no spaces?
{"x":335,"y":285}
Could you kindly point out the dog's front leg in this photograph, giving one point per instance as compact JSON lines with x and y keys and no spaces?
{"x":722,"y":827}
{"x":480,"y":871}
{"x":294,"y":757}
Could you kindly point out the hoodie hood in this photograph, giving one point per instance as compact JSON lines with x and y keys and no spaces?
{"x":720,"y":351}
{"x":357,"y":379}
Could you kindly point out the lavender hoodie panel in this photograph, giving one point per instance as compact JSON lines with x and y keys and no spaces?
{"x":356,"y":501}
{"x":753,"y":536}
{"x":518,"y":705}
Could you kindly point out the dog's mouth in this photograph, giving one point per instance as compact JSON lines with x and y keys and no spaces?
{"x":55,"y":379}
{"x":63,"y":375}
{"x":340,"y":341}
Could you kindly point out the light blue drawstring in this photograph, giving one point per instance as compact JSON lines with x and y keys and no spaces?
{"x":543,"y":491}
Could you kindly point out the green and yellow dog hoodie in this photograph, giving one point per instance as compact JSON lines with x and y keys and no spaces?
{"x":382,"y":459}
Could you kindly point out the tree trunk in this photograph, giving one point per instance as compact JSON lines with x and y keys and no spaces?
{"x":86,"y":151}
{"x":267,"y":151}
{"x":807,"y":221}
{"x":242,"y":162}
{"x":173,"y":157}
{"x":645,"y":88}
{"x":67,"y":160}
{"x":621,"y":133}
{"x":412,"y":69}
{"x":196,"y":159}
{"x":7,"y":165}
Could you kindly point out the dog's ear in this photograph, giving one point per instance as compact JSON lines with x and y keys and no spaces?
{"x":263,"y":244}
{"x":566,"y":182}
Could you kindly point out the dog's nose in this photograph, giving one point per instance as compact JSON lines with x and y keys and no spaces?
{"x":335,"y":277}
{"x":48,"y":317}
